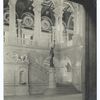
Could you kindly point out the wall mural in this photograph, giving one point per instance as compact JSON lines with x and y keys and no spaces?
{"x":47,"y":16}
{"x":46,"y":24}
{"x":24,"y":11}
{"x":27,"y":20}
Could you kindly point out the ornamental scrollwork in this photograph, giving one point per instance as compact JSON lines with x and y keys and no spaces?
{"x":46,"y":24}
{"x":16,"y":58}
{"x":21,"y":58}
{"x":27,"y":20}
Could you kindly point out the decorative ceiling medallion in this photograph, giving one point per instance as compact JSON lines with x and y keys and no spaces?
{"x":28,"y":20}
{"x":46,"y":24}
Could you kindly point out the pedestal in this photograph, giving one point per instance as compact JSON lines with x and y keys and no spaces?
{"x":52,"y":82}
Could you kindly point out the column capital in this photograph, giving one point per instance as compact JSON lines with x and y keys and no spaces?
{"x":12,"y":2}
{"x":37,"y":6}
{"x":19,"y":20}
{"x":58,"y":10}
{"x":37,"y":3}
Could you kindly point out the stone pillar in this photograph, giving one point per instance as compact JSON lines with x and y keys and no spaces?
{"x":37,"y":20}
{"x":19,"y":34}
{"x":12,"y":36}
{"x":58,"y":25}
{"x":56,"y":29}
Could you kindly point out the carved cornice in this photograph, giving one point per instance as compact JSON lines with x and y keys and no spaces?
{"x":12,"y":3}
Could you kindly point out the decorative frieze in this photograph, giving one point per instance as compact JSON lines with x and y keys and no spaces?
{"x":13,"y":57}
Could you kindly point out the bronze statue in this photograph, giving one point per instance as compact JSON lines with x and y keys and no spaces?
{"x":52,"y":54}
{"x":51,"y":57}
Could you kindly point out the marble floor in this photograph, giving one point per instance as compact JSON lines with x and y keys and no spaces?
{"x":41,"y":97}
{"x":62,"y":92}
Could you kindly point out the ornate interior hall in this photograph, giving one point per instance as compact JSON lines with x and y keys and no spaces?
{"x":45,"y":49}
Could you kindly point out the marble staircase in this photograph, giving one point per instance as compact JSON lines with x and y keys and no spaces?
{"x":62,"y":90}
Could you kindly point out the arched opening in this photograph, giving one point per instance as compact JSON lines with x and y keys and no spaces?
{"x":22,"y":77}
{"x":68,"y":23}
{"x":47,"y":16}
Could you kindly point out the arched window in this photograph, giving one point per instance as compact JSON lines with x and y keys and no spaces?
{"x":68,"y":23}
{"x":6,"y":12}
{"x":47,"y":16}
{"x":6,"y":16}
{"x":25,"y":12}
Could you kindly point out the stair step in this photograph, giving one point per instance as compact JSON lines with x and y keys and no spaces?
{"x":60,"y":90}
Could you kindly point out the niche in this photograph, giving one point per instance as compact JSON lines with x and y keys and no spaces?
{"x":22,"y":77}
{"x":68,"y":67}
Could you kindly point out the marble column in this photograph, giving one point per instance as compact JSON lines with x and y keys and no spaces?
{"x":37,"y":20}
{"x":58,"y":37}
{"x":12,"y":36}
{"x":58,"y":23}
{"x":19,"y":34}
